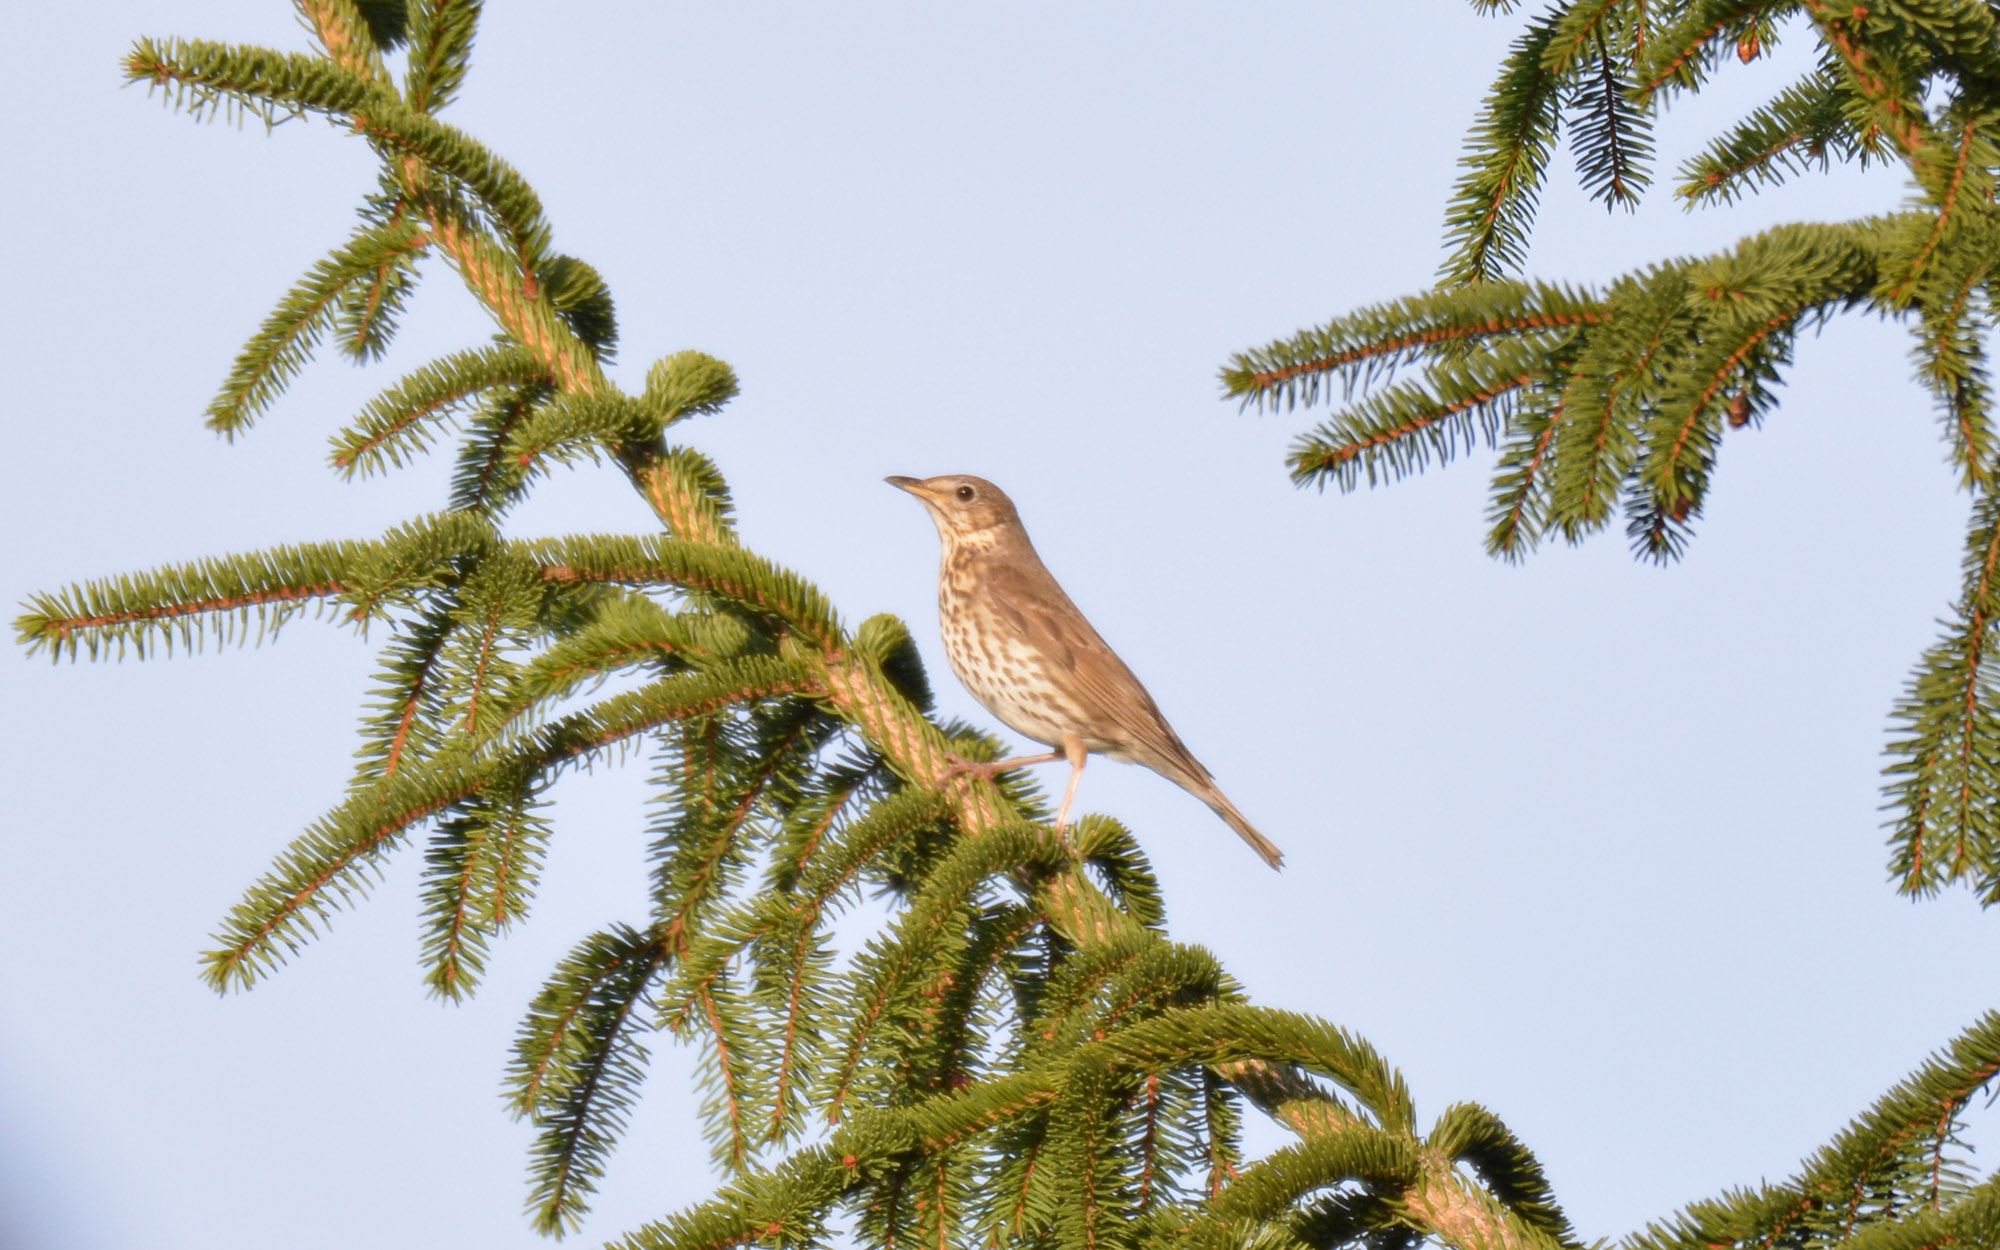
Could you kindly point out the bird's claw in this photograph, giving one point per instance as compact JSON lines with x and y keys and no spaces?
{"x":962,"y":767}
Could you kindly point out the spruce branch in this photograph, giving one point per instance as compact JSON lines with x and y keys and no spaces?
{"x":1068,"y":999}
{"x":1605,"y":393}
{"x":580,"y":296}
{"x":1472,"y":1135}
{"x":1631,"y":398}
{"x":1101,"y":990}
{"x":1958,"y":178}
{"x":203,"y":78}
{"x":729,"y":787}
{"x":847,"y":822}
{"x":1681,"y":54}
{"x":687,"y":384}
{"x":334,"y":860}
{"x":611,"y":723}
{"x":681,"y":491}
{"x":1944,"y":779}
{"x":792,"y":987}
{"x":548,"y":1045}
{"x":1884,"y":81}
{"x":1019,"y":1200}
{"x":1519,"y":511}
{"x":747,"y":580}
{"x":578,"y":427}
{"x":578,"y":1062}
{"x":1507,"y":154}
{"x":501,"y":608}
{"x":285,"y":342}
{"x":1353,"y":1217}
{"x":1609,"y":134}
{"x":1963,"y":34}
{"x":1221,"y":1132}
{"x":792,"y":1203}
{"x":483,"y":478}
{"x":1112,"y":854}
{"x":404,"y":419}
{"x":412,"y":560}
{"x":705,"y":506}
{"x":627,"y":629}
{"x":786,"y":929}
{"x":1580,"y":32}
{"x":942,"y":1194}
{"x":1357,"y":1152}
{"x":388,"y":22}
{"x":733,"y":1073}
{"x":1369,"y":346}
{"x":1973,"y":1220}
{"x":974,"y":997}
{"x":440,"y":34}
{"x":1955,"y":309}
{"x":370,"y":310}
{"x":709,"y":790}
{"x":220,"y":598}
{"x":1088,"y":1158}
{"x":1886,"y":1167}
{"x":1753,"y":303}
{"x":1459,"y":1214}
{"x":1586,"y":395}
{"x":1805,"y":126}
{"x":878,"y":1151}
{"x":1402,"y":429}
{"x":349,"y":38}
{"x":479,"y":878}
{"x":830,"y":804}
{"x":885,"y":993}
{"x":442,"y":667}
{"x":200,"y":76}
{"x":500,"y":276}
{"x":332,"y":864}
{"x":1226,"y":1035}
{"x":407,"y":712}
{"x":1683,"y":433}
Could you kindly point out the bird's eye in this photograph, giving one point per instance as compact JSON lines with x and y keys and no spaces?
{"x":965,"y":494}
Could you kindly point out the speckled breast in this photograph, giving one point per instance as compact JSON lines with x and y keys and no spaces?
{"x":1012,"y":679}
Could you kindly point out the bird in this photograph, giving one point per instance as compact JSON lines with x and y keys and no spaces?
{"x":1021,"y":648}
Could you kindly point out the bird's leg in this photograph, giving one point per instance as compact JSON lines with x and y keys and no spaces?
{"x":973,"y":768}
{"x":1073,"y":751}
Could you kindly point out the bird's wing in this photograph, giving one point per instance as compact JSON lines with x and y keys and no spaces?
{"x":1029,"y":597}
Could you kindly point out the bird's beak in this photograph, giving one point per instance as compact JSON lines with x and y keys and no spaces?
{"x":915,"y":487}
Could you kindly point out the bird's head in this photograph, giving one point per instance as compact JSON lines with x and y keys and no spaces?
{"x":963,"y":506}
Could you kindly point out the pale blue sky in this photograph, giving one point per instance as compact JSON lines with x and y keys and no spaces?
{"x":1594,"y":844}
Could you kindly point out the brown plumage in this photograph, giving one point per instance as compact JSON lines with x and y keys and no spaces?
{"x":1025,"y":652}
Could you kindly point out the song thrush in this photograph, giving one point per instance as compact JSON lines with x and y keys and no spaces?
{"x":1025,"y":652}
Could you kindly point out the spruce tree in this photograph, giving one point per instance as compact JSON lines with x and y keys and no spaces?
{"x":1021,"y":1054}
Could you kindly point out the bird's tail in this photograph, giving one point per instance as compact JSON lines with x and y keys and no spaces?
{"x":1227,"y":810}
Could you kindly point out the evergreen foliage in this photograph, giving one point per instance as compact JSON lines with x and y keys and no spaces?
{"x":1021,"y":1054}
{"x":1618,"y":399}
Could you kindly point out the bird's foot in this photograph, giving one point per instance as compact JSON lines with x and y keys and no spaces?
{"x":984,"y":769}
{"x":962,"y":767}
